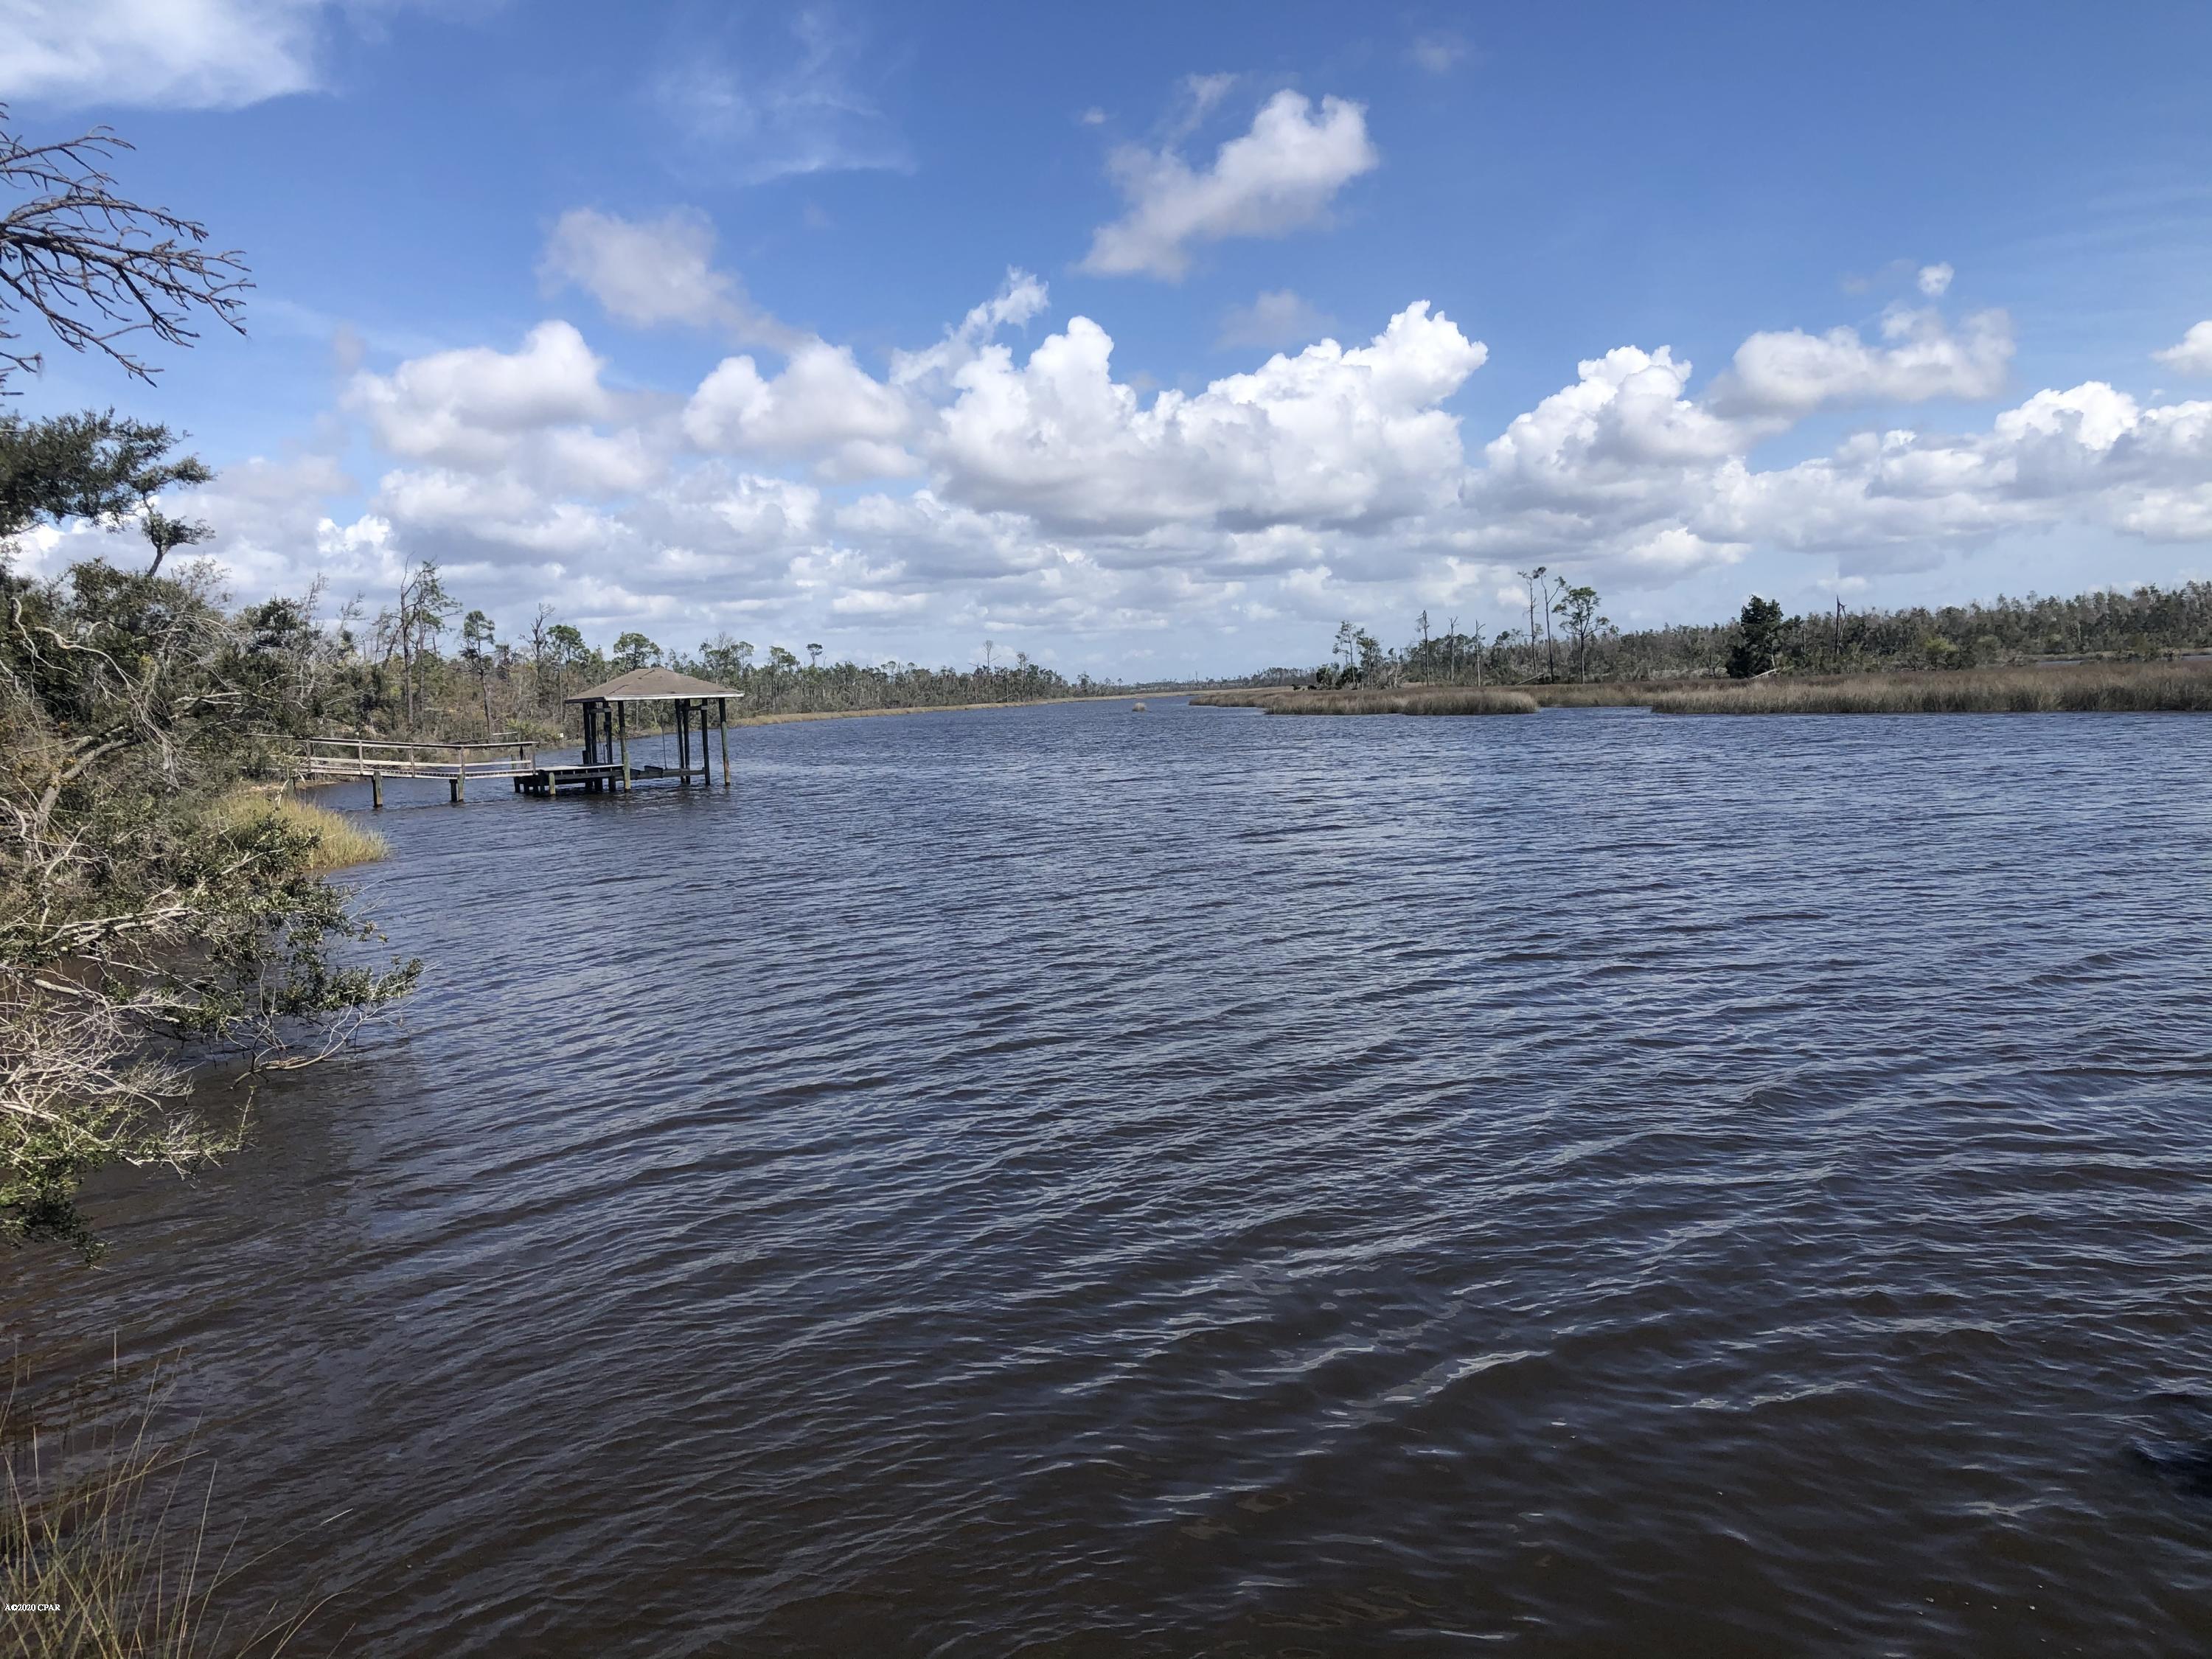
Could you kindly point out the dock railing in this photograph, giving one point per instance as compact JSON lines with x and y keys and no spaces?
{"x":456,"y":762}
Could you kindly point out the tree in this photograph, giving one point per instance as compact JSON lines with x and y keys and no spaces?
{"x":101,"y":469}
{"x":1758,"y":639}
{"x":565,"y":648}
{"x":1577,"y":608}
{"x":137,"y":902}
{"x":477,"y":641}
{"x":425,"y":608}
{"x":1534,"y":579}
{"x":814,"y":654}
{"x":633,"y":650}
{"x":97,"y":267}
{"x":1347,"y":645}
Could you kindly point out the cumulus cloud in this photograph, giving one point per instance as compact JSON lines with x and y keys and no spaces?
{"x":1280,"y":176}
{"x":1276,"y":317}
{"x":648,"y":272}
{"x":1794,"y":372}
{"x":1020,"y":298}
{"x":467,"y":407}
{"x":2193,"y":355}
{"x":1331,"y":435}
{"x":823,"y":403}
{"x":1935,"y":281}
{"x":1030,"y":495}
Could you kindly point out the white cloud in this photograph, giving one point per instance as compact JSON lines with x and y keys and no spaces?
{"x":1020,"y":298}
{"x":190,"y":54}
{"x":792,"y":108}
{"x":646,"y":272}
{"x":823,"y":402}
{"x":2193,"y":355}
{"x":1794,"y":372}
{"x":467,"y":407}
{"x":1935,"y":281}
{"x":1278,"y":177}
{"x":1059,"y":505}
{"x":1330,"y":435}
{"x":1276,"y":317}
{"x":1438,"y":53}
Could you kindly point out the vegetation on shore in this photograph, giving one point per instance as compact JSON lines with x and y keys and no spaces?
{"x":149,"y":919}
{"x":2101,"y":688}
{"x":105,"y":1543}
{"x":1406,"y":700}
{"x":1565,"y":641}
{"x":2104,"y":687}
{"x":333,"y":841}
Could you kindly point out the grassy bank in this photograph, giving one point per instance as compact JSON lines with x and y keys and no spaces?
{"x":924,"y":709}
{"x":2183,"y":687}
{"x":1404,"y":700}
{"x":2088,"y":688}
{"x":106,"y":1544}
{"x":338,"y":841}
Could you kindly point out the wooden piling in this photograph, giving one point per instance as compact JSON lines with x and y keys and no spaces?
{"x":722,"y":719}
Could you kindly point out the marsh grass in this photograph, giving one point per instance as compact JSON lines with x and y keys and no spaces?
{"x":2120,"y":688}
{"x":2088,"y":688}
{"x":338,"y":841}
{"x":1408,"y":700}
{"x":112,"y":1528}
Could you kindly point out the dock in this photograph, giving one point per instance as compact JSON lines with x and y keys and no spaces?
{"x":331,"y":759}
{"x":606,"y":765}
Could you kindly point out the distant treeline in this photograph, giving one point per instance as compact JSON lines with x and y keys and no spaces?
{"x":421,"y":665}
{"x":1565,"y":638}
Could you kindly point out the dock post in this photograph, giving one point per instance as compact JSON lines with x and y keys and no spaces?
{"x":376,"y":791}
{"x":460,"y":776}
{"x":622,"y":726}
{"x":722,"y":718}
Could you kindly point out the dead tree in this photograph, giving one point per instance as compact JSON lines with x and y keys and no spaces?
{"x":96,"y":267}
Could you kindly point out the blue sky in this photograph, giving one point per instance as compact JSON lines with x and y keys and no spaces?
{"x":791,"y":321}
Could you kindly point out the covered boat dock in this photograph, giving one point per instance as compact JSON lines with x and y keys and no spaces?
{"x":607,"y":763}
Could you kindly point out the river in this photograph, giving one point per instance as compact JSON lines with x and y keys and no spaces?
{"x":1069,"y":1181}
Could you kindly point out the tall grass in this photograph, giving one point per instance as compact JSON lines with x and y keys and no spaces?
{"x":106,"y":1547}
{"x":1408,"y":700}
{"x":338,"y":840}
{"x":2088,"y":688}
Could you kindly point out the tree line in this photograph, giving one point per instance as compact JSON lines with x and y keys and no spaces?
{"x":1563,"y":635}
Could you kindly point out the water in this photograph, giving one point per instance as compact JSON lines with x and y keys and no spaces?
{"x":1065,"y":1181}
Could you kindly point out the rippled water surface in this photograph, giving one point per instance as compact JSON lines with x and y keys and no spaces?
{"x":1069,"y":1181}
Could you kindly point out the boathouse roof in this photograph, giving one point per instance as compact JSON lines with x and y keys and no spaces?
{"x":652,"y":685}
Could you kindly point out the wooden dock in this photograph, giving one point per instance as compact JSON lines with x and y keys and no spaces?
{"x":334,"y":758}
{"x":698,"y":707}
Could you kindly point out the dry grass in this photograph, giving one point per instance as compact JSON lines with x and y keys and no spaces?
{"x":1406,"y":700}
{"x":2094,"y":687}
{"x":104,"y":1545}
{"x":338,"y":840}
{"x":2089,"y":688}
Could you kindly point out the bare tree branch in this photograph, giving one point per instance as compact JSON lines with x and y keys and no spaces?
{"x":97,"y":267}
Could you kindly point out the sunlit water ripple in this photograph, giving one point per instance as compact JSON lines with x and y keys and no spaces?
{"x":1068,"y":1182}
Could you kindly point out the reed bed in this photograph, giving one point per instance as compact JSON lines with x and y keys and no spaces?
{"x":1409,"y":699}
{"x":2095,"y":687}
{"x":338,"y":840}
{"x":105,"y":1547}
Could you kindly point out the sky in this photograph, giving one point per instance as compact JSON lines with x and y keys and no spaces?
{"x":1154,"y":340}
